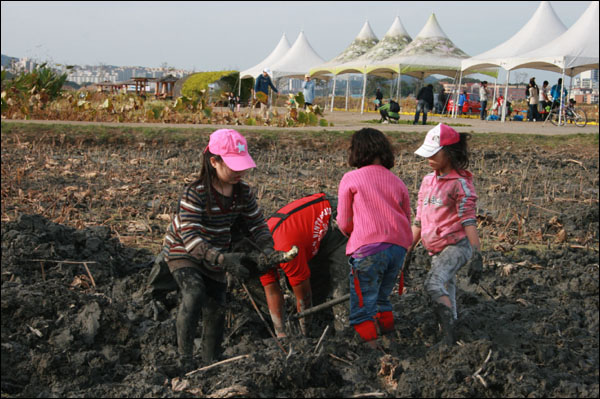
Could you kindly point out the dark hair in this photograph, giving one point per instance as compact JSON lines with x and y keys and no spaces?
{"x":367,"y":145}
{"x":458,"y":153}
{"x":545,"y":82}
{"x":207,"y":174}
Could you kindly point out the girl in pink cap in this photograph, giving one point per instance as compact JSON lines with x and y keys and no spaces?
{"x":446,"y":220}
{"x":214,"y":211}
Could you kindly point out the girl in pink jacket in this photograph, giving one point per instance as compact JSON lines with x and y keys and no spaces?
{"x":446,"y":220}
{"x":374,"y":210}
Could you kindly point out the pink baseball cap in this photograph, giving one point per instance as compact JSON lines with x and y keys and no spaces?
{"x":436,"y":139}
{"x":232,"y":147}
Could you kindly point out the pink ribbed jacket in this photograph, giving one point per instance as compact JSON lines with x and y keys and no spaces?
{"x":374,"y":207}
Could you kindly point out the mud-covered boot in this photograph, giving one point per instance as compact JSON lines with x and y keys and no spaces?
{"x":212,"y":331}
{"x":446,"y":318}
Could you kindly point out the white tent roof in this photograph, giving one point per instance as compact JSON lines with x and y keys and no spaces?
{"x":543,"y":27}
{"x":363,"y":42}
{"x":298,"y":61}
{"x":431,"y":52}
{"x":394,"y":41}
{"x":575,"y":51}
{"x":278,"y":53}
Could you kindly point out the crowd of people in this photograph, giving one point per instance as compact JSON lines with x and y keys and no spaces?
{"x":360,"y":237}
{"x":540,"y":100}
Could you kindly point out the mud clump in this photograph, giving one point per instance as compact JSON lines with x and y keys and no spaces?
{"x":530,"y":328}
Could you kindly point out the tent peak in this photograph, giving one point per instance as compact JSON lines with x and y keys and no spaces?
{"x":366,"y":33}
{"x":431,"y":29}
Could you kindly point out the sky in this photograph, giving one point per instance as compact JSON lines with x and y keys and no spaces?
{"x":210,"y":36}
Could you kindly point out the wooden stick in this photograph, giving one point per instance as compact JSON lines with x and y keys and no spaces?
{"x":340,"y":359}
{"x":261,"y":316}
{"x":321,"y":339}
{"x":62,"y":261}
{"x":368,"y":395}
{"x":89,"y":274}
{"x":43,"y":273}
{"x":233,"y":359}
{"x":545,"y":209}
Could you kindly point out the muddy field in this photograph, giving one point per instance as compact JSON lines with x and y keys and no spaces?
{"x":83,"y":214}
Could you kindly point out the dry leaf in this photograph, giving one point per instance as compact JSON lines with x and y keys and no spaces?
{"x":178,"y":384}
{"x":561,"y":236}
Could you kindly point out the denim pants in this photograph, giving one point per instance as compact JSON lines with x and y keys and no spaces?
{"x":423,"y":106}
{"x":441,"y":279}
{"x":483,"y":111}
{"x":372,"y":280}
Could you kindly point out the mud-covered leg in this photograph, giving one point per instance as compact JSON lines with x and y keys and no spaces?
{"x":193,"y":293}
{"x":276,"y":308}
{"x":212,"y":330}
{"x":303,"y":295}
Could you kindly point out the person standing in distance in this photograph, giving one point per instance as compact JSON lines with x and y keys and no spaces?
{"x":261,"y":91}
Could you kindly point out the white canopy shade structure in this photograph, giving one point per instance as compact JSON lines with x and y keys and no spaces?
{"x":298,"y":61}
{"x":542,"y":27}
{"x":394,"y":41}
{"x":430,"y":53}
{"x":571,"y":53}
{"x":363,"y":42}
{"x":278,"y":53}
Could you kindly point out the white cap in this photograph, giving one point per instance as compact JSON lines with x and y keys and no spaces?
{"x":268,"y":71}
{"x":436,"y":139}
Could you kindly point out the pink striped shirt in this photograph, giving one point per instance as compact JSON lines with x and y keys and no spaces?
{"x":374,"y":207}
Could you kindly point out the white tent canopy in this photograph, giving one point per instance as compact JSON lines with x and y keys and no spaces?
{"x":278,"y":53}
{"x":431,"y":52}
{"x":364,"y":41}
{"x":571,"y":53}
{"x":542,"y":27}
{"x":394,"y":41}
{"x":298,"y":61}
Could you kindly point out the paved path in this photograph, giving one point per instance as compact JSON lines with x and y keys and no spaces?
{"x":351,"y":121}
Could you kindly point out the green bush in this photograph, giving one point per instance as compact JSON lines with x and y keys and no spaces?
{"x":312,"y":119}
{"x":197,"y":84}
{"x":302,"y":117}
{"x":322,"y":122}
{"x":251,"y":122}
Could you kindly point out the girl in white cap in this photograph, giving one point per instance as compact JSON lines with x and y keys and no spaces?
{"x":446,"y":220}
{"x":198,"y":243}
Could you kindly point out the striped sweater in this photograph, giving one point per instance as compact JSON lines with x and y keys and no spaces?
{"x":199,"y":236}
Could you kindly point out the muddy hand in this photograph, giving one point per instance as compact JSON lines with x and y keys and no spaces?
{"x":265,"y":262}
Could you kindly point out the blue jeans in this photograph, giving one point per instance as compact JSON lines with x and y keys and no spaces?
{"x":483,"y":112}
{"x":372,"y":280}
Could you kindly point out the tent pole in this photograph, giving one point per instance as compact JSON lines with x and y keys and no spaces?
{"x":347,"y":86}
{"x":398,"y":92}
{"x":494,"y":98}
{"x":240,"y":86}
{"x":362,"y":102}
{"x":333,"y":92}
{"x":562,"y":88}
{"x":457,"y":95}
{"x":505,"y":96}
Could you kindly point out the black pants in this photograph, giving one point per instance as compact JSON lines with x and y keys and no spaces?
{"x":385,"y":116}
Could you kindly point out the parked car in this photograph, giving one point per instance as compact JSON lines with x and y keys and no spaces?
{"x":471,"y":106}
